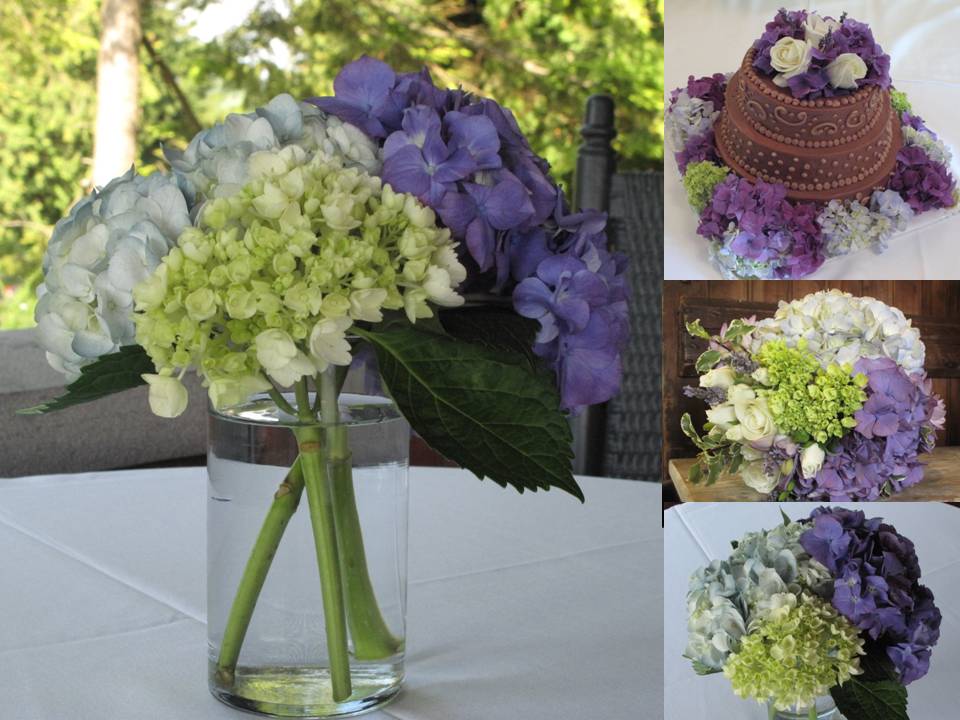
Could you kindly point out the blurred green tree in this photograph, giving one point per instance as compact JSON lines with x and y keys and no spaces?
{"x":541,"y":58}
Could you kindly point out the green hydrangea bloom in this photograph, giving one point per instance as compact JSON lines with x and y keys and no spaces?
{"x":808,"y":401}
{"x":796,"y":655}
{"x":274,"y":275}
{"x":900,"y":102}
{"x":700,"y":180}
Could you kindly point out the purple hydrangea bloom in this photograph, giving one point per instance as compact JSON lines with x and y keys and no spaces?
{"x":768,"y":228}
{"x":876,"y":585}
{"x":467,"y":158}
{"x":916,"y":122}
{"x":852,"y":37}
{"x":922,"y":182}
{"x":699,"y":148}
{"x":896,"y":424}
{"x":711,"y":87}
{"x":785,"y":24}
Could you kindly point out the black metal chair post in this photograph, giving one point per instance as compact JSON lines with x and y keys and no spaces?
{"x":596,"y":164}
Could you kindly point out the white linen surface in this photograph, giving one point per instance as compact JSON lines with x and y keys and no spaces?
{"x":709,"y":36}
{"x":696,"y":533}
{"x":529,"y":606}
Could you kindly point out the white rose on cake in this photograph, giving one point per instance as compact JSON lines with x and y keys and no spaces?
{"x":846,"y":70}
{"x":816,"y":28}
{"x":790,"y":57}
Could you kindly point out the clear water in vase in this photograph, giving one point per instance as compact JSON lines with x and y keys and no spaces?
{"x":283,"y":667}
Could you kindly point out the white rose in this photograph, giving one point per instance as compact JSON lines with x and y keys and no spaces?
{"x":721,"y":377}
{"x":756,"y":420}
{"x":816,"y":28}
{"x":846,"y":70}
{"x":740,"y":393}
{"x":168,"y":397}
{"x":722,"y":415}
{"x":811,"y":460}
{"x":789,"y":57}
{"x":754,"y":476}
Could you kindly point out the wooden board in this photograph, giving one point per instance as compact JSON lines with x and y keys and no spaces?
{"x":941,"y":482}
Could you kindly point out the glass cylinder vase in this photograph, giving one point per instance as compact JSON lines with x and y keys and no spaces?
{"x":824,"y":708}
{"x":306,"y":556}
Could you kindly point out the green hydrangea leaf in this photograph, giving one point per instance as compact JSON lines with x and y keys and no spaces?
{"x":707,"y":360}
{"x":482,"y":408}
{"x":736,"y":330}
{"x":860,"y":699}
{"x":695,"y":329}
{"x":702,"y":669}
{"x":109,"y":374}
{"x":494,"y":328}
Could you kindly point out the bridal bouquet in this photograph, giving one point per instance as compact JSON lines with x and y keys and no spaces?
{"x":826,"y":400}
{"x":830,"y":604}
{"x":288,"y":241}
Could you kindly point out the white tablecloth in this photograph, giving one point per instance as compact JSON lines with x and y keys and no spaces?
{"x":696,"y":533}
{"x":709,"y":36}
{"x":532,"y":606}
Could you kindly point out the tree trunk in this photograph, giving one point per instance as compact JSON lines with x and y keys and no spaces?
{"x":118,"y":86}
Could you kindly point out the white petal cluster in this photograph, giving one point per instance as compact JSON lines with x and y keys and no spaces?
{"x":762,"y":578}
{"x":840,"y":328}
{"x":216,"y":162}
{"x":688,"y":117}
{"x":111,"y":240}
{"x":927,"y":142}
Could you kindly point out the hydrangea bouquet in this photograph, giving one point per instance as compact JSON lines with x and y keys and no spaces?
{"x":829,"y":604}
{"x":826,"y":400}
{"x":287,"y":242}
{"x":752,"y":229}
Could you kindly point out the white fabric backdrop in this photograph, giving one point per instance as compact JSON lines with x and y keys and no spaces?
{"x":696,"y":533}
{"x":520,"y":606}
{"x":709,"y":36}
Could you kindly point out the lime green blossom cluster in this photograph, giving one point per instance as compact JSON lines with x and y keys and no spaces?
{"x":274,"y":275}
{"x":796,"y":655}
{"x":700,"y":180}
{"x":900,"y":102}
{"x":806,"y":400}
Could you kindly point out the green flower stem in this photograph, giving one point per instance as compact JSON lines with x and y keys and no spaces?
{"x":285,"y":502}
{"x":771,"y":711}
{"x":372,"y":639}
{"x":812,"y":715}
{"x":319,"y":500}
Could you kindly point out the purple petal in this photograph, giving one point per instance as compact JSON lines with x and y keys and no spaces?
{"x":365,"y":83}
{"x":507,"y":205}
{"x":351,"y":114}
{"x":477,"y":135}
{"x":480,"y":242}
{"x":554,"y":267}
{"x":405,"y":171}
{"x":457,"y":210}
{"x":421,"y":122}
{"x":532,"y":299}
{"x":456,"y":167}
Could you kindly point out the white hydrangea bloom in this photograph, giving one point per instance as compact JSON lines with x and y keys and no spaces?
{"x":216,"y":163}
{"x":110,"y":241}
{"x":926,"y":141}
{"x":763,"y":577}
{"x":733,"y":266}
{"x":848,"y":227}
{"x":841,"y":328}
{"x":686,"y":118}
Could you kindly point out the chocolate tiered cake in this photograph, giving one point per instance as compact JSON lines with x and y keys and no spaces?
{"x":806,"y":152}
{"x":840,"y":148}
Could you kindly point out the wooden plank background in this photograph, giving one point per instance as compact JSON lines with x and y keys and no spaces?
{"x":933,"y":305}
